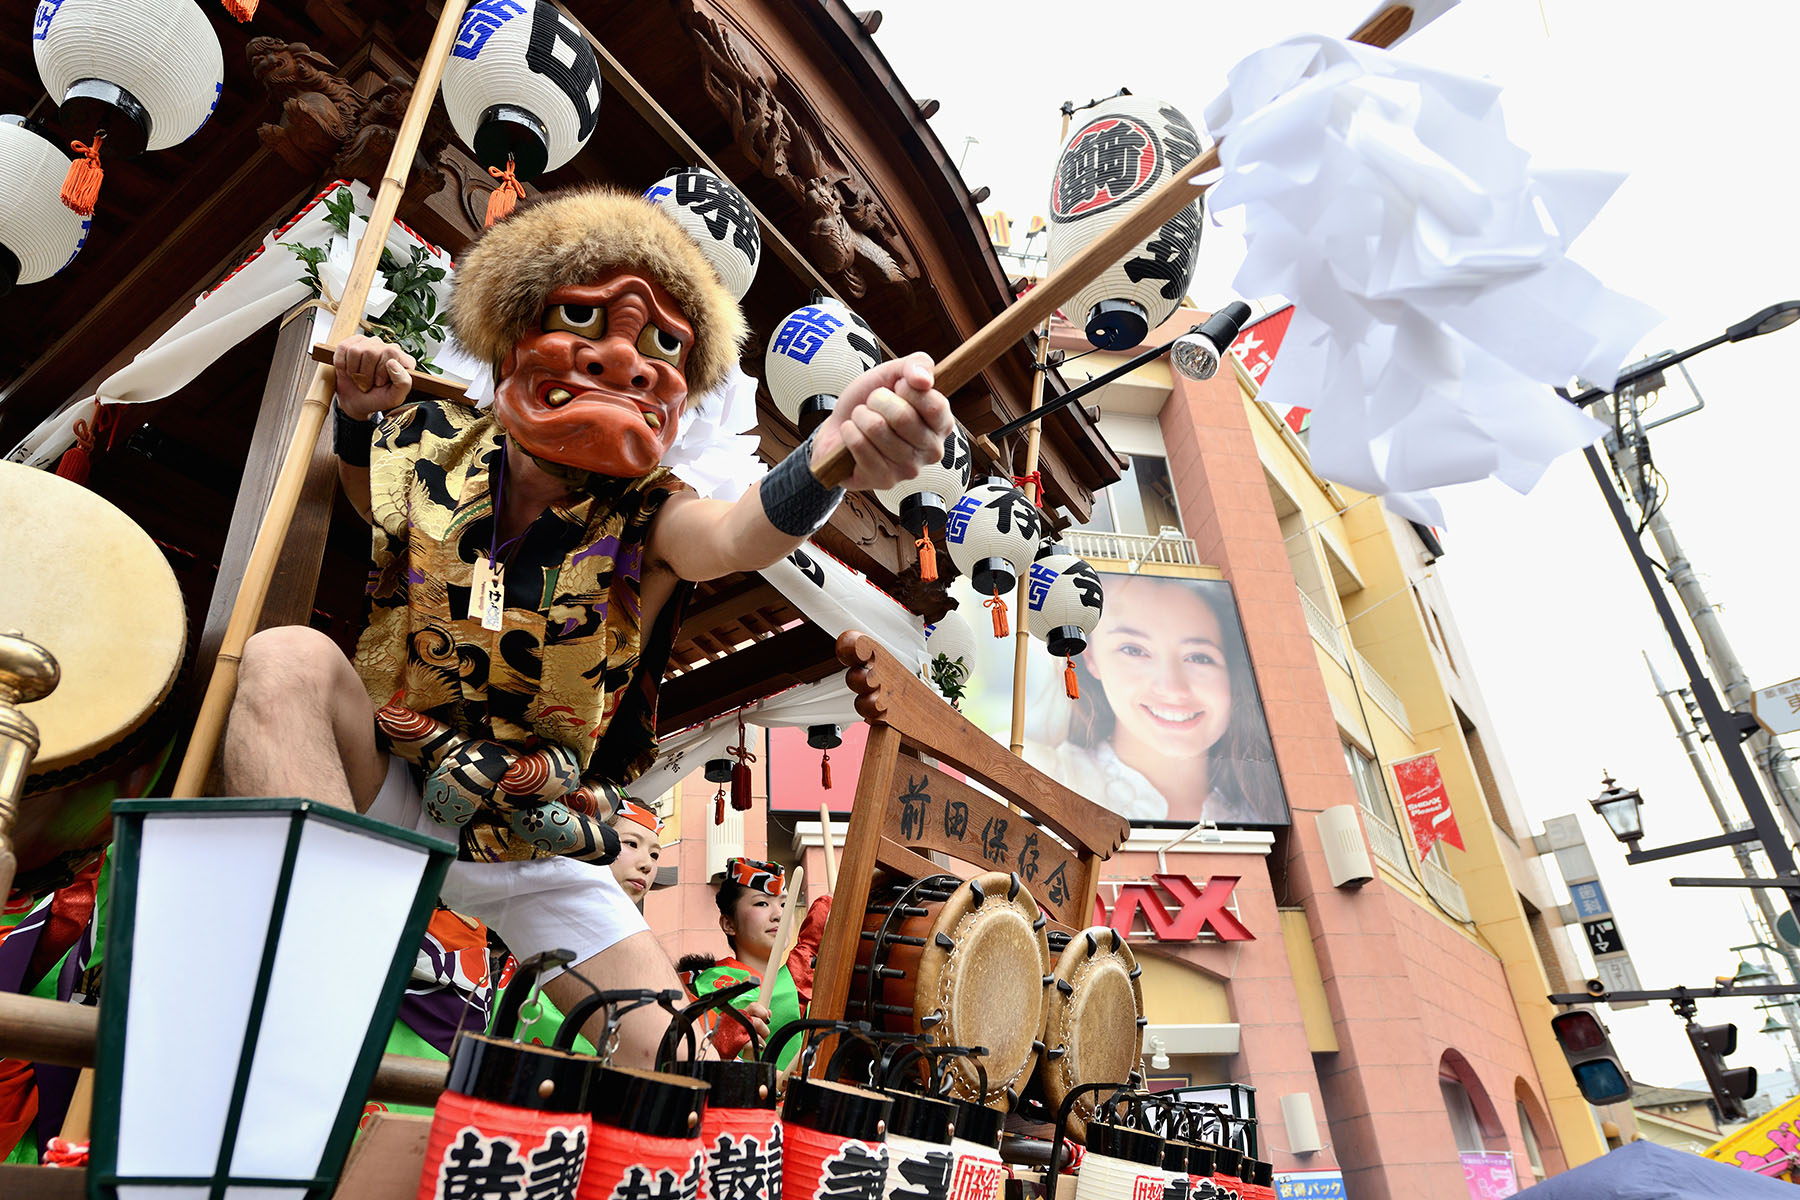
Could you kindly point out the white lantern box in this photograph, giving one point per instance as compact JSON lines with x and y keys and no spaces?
{"x":257,"y":952}
{"x":39,"y":235}
{"x":1063,"y":602}
{"x":815,"y":353}
{"x":1129,"y":146}
{"x":522,"y":85}
{"x":718,"y":218}
{"x":991,"y":532}
{"x":146,"y":75}
{"x":924,"y":501}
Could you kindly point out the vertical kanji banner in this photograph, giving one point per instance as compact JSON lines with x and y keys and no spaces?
{"x":1426,"y":802}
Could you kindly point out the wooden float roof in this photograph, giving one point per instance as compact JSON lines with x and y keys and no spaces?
{"x":792,"y":99}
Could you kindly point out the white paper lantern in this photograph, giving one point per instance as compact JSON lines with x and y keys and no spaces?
{"x":1063,"y":601}
{"x":718,"y":218}
{"x":814,"y":355}
{"x":522,"y":83}
{"x":146,"y":74}
{"x":39,"y":236}
{"x":1125,"y":150}
{"x":992,"y":532}
{"x":923,"y":501}
{"x":951,"y":637}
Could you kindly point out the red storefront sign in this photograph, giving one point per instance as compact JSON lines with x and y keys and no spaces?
{"x":1197,"y":908}
{"x":1427,"y":804}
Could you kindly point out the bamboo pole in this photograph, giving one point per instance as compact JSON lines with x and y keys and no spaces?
{"x":1035,"y":493}
{"x":260,"y":569}
{"x":1170,"y":197}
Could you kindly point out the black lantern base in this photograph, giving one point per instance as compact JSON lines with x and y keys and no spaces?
{"x":93,"y":106}
{"x":9,"y":270}
{"x":993,"y":575}
{"x":1046,"y":549}
{"x":1066,"y":640}
{"x":813,"y":411}
{"x":1117,"y":325}
{"x":921,"y":510}
{"x":824,"y":737}
{"x":507,"y":131}
{"x":519,"y":1076}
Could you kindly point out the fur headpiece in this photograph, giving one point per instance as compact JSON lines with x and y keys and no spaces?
{"x":571,"y":237}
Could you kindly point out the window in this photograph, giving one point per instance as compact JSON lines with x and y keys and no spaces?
{"x":1531,"y":1142}
{"x":1141,"y":503}
{"x":1463,"y":1122}
{"x":1369,"y":791}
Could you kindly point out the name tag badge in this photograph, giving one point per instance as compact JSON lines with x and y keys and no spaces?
{"x":478,"y":586}
{"x":493,"y":601}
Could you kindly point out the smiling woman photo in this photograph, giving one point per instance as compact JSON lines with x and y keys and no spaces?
{"x":1169,"y":726}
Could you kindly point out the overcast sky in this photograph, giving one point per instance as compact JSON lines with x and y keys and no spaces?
{"x":1694,"y":105}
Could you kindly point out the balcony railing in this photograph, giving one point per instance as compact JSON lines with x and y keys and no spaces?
{"x":1323,"y":631}
{"x":1385,"y":840}
{"x":1383,"y":694}
{"x":1445,"y":890}
{"x":1137,"y":548}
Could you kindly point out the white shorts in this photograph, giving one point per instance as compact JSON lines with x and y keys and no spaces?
{"x":537,"y":905}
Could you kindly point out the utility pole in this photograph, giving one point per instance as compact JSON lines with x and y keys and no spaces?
{"x":1771,"y":761}
{"x":1691,"y":743}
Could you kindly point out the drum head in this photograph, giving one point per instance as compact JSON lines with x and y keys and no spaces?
{"x":87,"y":584}
{"x":982,"y":976}
{"x":1093,"y":1021}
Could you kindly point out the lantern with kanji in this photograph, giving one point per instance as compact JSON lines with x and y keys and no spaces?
{"x":718,"y":218}
{"x":522,"y":87}
{"x":1063,"y":601}
{"x":924,"y":501}
{"x":992,"y":531}
{"x":39,"y":235}
{"x":1118,"y":155}
{"x":128,"y":77}
{"x":816,"y":352}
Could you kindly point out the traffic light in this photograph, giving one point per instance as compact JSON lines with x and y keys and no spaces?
{"x":1591,"y":1057}
{"x":1731,"y":1086}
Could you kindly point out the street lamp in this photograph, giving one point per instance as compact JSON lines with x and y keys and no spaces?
{"x":1749,"y":972}
{"x":1620,"y":809}
{"x":1772,"y":1027}
{"x":1727,"y":728}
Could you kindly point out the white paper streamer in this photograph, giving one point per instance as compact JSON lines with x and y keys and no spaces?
{"x":1434,"y":304}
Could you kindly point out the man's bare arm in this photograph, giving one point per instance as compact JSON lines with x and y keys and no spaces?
{"x":372,"y":377}
{"x":891,"y":419}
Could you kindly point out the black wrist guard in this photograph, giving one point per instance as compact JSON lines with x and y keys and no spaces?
{"x":350,"y":438}
{"x":792,"y":497}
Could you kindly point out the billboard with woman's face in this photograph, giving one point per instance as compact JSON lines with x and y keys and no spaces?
{"x":1169,"y":725}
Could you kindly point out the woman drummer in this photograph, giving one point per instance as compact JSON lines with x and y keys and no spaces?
{"x":750,"y":900}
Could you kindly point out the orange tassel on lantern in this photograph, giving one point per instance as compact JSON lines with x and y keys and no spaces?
{"x":997,"y":606}
{"x":825,"y":771}
{"x":503,"y":199}
{"x":719,"y":806}
{"x":243,"y":10}
{"x":740,"y":774}
{"x":81,"y":186}
{"x":1071,"y":681}
{"x":927,"y":558}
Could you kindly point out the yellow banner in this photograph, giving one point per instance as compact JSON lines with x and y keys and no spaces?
{"x":1769,"y":1145}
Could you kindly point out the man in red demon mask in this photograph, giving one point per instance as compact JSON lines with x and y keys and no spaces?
{"x":529,"y":570}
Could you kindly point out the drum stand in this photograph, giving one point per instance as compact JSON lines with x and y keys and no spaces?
{"x":27,"y":672}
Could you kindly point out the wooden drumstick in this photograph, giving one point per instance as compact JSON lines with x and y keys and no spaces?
{"x":1173,"y":195}
{"x":830,"y":848}
{"x":259,"y":572}
{"x":783,"y":933}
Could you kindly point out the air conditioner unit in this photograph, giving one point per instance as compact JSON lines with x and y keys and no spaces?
{"x":1346,"y":857}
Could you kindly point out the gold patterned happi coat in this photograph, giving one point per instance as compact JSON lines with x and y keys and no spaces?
{"x":570,"y":665}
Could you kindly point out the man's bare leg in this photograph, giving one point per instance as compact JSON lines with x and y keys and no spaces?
{"x":301,"y":724}
{"x":638,"y":961}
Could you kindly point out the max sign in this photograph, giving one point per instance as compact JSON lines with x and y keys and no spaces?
{"x":1197,"y":908}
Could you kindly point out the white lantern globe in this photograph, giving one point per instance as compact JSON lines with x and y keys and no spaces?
{"x":924,"y":501}
{"x":951,"y":637}
{"x":522,"y":85}
{"x":1063,"y":602}
{"x":144,"y":75}
{"x":718,"y":218}
{"x":1128,"y":147}
{"x":991,"y":532}
{"x":39,"y":235}
{"x":815,"y":353}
